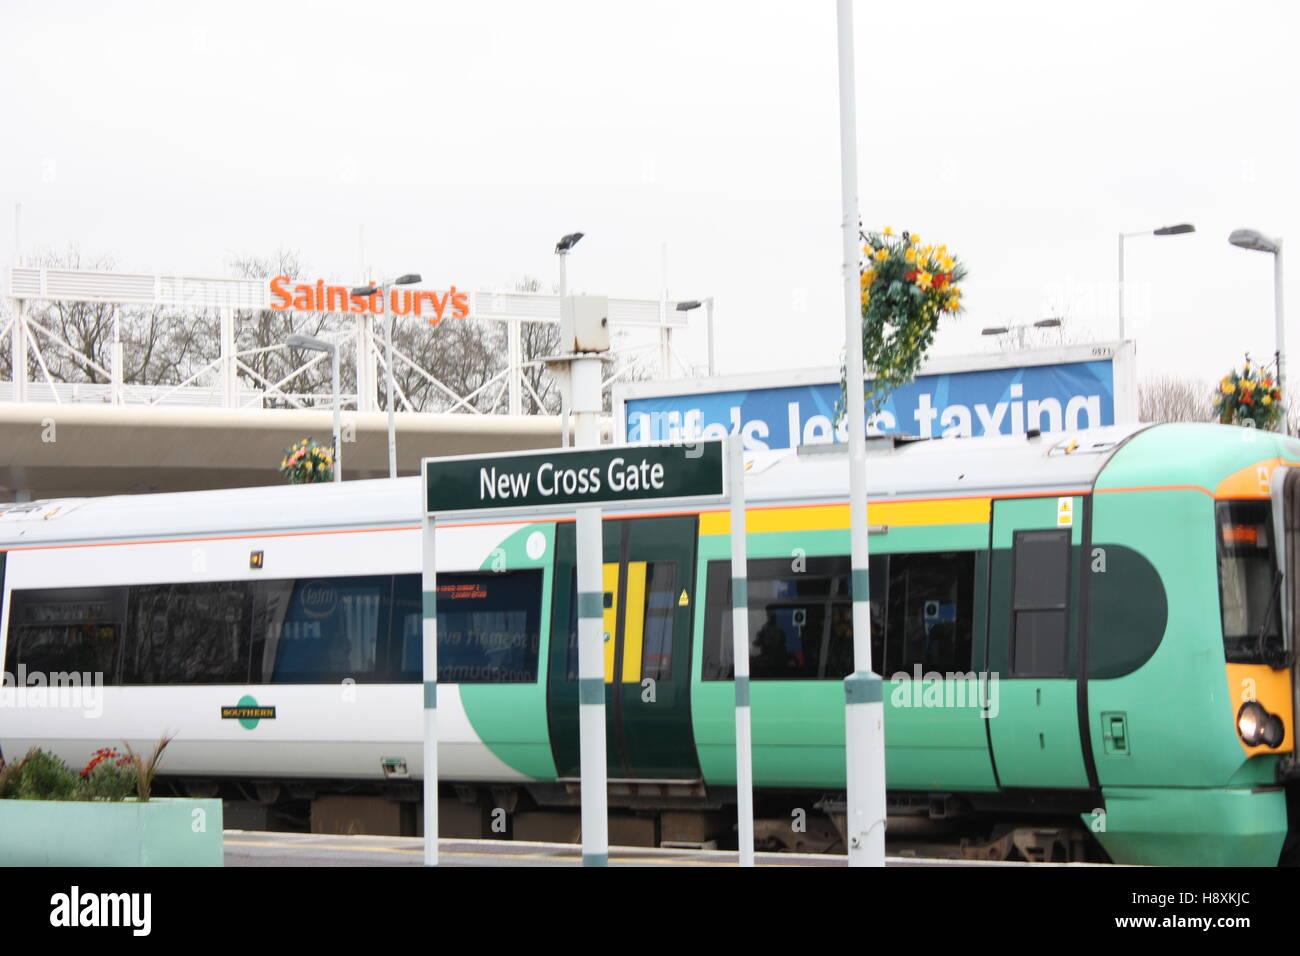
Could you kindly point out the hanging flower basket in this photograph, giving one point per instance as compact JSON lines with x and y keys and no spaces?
{"x":1250,"y":397}
{"x":906,"y":289}
{"x":308,"y":462}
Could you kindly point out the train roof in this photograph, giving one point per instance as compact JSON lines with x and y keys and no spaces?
{"x":897,"y":468}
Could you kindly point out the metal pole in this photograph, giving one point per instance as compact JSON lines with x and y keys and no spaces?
{"x":430,"y":667}
{"x":584,"y":380}
{"x":229,"y":372}
{"x":338,"y":424}
{"x":18,"y":340}
{"x":1281,"y":326}
{"x":119,"y":358}
{"x":1121,"y":287}
{"x":709,"y":305}
{"x":863,"y":690}
{"x":392,"y":408}
{"x":740,"y":652}
{"x":564,"y":392}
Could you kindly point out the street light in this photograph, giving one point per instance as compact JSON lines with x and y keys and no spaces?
{"x":313,"y":344}
{"x":1178,"y":230}
{"x":1258,"y":242}
{"x":693,"y":304}
{"x":365,"y":291}
{"x":1052,"y":323}
{"x":562,"y":248}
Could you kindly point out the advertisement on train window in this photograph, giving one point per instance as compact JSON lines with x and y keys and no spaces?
{"x":1051,"y":390}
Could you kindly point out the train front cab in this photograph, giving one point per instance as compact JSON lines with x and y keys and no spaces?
{"x":1189,"y":691}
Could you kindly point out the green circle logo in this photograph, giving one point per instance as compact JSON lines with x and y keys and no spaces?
{"x":248,"y":723}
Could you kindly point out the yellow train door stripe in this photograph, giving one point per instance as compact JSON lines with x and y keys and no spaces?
{"x":836,"y":517}
{"x":610,"y":618}
{"x":634,"y":622}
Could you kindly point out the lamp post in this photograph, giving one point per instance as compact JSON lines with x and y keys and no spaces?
{"x":313,"y":344}
{"x":562,"y":249}
{"x":365,"y":291}
{"x":1178,"y":230}
{"x":693,"y":304}
{"x":1258,"y":242}
{"x":1020,"y":330}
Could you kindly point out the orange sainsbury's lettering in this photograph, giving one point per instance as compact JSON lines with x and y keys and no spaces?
{"x":318,"y":296}
{"x":281,"y":293}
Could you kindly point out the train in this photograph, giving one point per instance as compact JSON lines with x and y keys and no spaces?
{"x":1086,"y":638}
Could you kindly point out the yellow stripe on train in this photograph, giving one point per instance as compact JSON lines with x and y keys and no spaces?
{"x":895,"y":514}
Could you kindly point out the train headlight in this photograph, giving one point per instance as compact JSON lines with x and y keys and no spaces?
{"x":1274,"y":732}
{"x":1252,"y":722}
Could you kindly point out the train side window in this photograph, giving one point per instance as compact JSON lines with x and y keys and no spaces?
{"x":322,"y":630}
{"x":197,"y":633}
{"x":660,"y":611}
{"x":1041,"y":561}
{"x":800,"y":618}
{"x":489,"y":626}
{"x":931,"y":612}
{"x":66,"y":630}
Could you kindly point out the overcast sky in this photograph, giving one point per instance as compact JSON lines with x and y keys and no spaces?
{"x":467,"y":137}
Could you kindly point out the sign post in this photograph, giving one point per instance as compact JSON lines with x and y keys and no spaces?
{"x":740,"y":652}
{"x":581,"y":479}
{"x":864,"y":736}
{"x":429,"y":635}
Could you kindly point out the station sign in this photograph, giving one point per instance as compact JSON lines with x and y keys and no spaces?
{"x":1051,"y":390}
{"x":578,"y":476}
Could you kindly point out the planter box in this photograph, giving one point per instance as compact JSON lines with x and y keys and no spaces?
{"x":161,"y":832}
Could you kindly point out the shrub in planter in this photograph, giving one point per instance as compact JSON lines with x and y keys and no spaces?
{"x":39,"y":776}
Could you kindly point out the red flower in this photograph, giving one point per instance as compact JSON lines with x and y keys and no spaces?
{"x":910,"y":276}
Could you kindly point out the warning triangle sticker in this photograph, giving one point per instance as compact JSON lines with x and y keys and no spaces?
{"x":683,"y":601}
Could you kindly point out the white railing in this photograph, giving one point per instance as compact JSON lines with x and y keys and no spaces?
{"x":643,"y":327}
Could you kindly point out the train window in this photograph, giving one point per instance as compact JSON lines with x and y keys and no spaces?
{"x":800,"y":618}
{"x":196,"y":633}
{"x":660,"y":609}
{"x":1249,"y":581}
{"x":1041,"y":559}
{"x":62,"y":630}
{"x":321,"y":630}
{"x":489,"y":626}
{"x":931,"y":612}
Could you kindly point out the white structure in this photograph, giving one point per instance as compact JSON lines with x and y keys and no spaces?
{"x":218,"y":383}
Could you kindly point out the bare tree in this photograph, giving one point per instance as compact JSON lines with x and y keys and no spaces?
{"x":1168,"y":398}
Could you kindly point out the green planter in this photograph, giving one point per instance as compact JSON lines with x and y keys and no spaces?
{"x":161,"y":832}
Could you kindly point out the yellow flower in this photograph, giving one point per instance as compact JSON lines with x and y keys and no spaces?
{"x":910,"y":255}
{"x":913,"y":238}
{"x":889,"y":230}
{"x":953,"y":303}
{"x":1267,"y":400}
{"x":882,"y":255}
{"x":923,"y":279}
{"x":1227,"y":388}
{"x":866,"y":298}
{"x":867,"y":251}
{"x":945,"y":263}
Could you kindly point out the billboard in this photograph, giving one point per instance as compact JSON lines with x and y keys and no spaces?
{"x":1052,"y":390}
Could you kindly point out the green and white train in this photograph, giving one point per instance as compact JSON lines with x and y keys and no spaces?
{"x":1087,"y":641}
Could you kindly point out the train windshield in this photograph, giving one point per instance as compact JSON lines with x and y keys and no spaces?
{"x":1249,"y":581}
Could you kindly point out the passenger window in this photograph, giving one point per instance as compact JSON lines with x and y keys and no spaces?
{"x":489,"y":626}
{"x":931,"y":612}
{"x":65,"y":630}
{"x":1041,"y":590}
{"x":322,"y":630}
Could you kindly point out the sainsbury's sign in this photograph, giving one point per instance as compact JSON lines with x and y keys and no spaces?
{"x":1050,"y":390}
{"x":431,"y":304}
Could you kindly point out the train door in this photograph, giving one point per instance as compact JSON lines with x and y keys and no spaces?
{"x":1033,"y":642}
{"x":649,"y":575}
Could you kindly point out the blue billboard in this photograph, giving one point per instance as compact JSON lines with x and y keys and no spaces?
{"x":990,"y":401}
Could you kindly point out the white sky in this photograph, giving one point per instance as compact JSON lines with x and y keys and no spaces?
{"x":467,"y":137}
